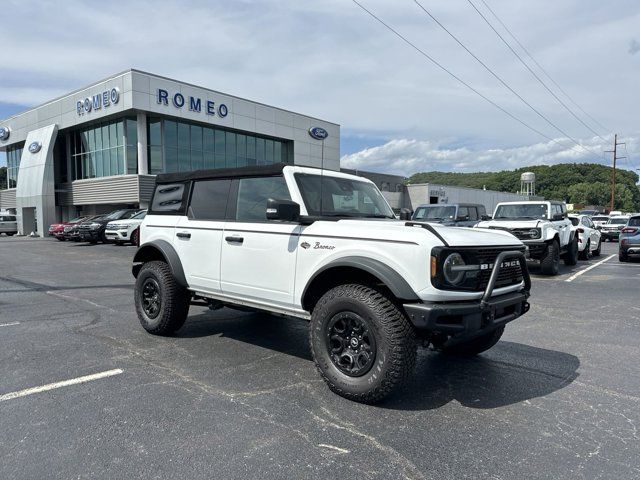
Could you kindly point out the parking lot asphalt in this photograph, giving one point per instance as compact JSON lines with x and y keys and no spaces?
{"x":236,"y":395}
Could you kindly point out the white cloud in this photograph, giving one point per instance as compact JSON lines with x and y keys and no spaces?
{"x":406,"y":157}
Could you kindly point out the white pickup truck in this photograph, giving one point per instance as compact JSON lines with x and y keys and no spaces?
{"x":326,"y":247}
{"x":543,"y":227}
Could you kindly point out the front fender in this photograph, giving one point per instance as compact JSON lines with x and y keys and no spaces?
{"x":160,"y":250}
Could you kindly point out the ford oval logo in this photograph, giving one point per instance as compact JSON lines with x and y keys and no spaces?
{"x":318,"y":133}
{"x":35,"y":147}
{"x":4,"y":133}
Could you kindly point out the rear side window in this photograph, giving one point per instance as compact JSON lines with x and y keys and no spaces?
{"x":168,"y":199}
{"x":253,"y":194}
{"x":463,"y":213}
{"x":473,"y":213}
{"x":634,"y":222}
{"x":209,"y":200}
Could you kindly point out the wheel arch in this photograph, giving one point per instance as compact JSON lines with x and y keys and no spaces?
{"x":163,"y":251}
{"x":355,"y":269}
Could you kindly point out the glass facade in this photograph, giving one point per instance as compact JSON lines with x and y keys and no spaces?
{"x":104,"y":149}
{"x":13,"y":164}
{"x":176,"y":146}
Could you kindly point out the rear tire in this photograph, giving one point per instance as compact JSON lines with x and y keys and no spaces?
{"x":362,"y":343}
{"x":622,"y":258}
{"x":571,"y":257}
{"x":586,"y":253}
{"x":135,"y":236}
{"x":161,"y":304}
{"x":597,"y":251}
{"x":475,"y":346}
{"x":550,"y":263}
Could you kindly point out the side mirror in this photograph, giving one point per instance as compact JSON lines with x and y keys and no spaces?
{"x":558,"y":216}
{"x":405,"y":214}
{"x":284,"y":210}
{"x":485,"y":217}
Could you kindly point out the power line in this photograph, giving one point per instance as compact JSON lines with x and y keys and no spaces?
{"x":534,"y":73}
{"x":460,"y":80}
{"x":505,"y":84}
{"x":542,"y":69}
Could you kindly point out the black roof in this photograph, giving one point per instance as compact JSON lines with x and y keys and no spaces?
{"x":252,"y":171}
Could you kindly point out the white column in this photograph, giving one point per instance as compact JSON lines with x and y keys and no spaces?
{"x":143,"y":164}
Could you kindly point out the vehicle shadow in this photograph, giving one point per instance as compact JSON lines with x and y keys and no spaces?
{"x":509,"y":373}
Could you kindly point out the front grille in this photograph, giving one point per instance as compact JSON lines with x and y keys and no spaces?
{"x":519,"y":233}
{"x":116,"y":226}
{"x":509,"y":275}
{"x":84,"y":227}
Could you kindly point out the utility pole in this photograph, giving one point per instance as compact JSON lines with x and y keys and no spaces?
{"x":613,"y":177}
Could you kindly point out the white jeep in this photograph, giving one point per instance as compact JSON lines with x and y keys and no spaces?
{"x":326,"y":247}
{"x":543,"y":227}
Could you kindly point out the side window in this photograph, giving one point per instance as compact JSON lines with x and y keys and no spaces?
{"x":209,"y":199}
{"x":253,"y":194}
{"x":168,"y":199}
{"x":463,"y":213}
{"x":585,"y":221}
{"x":473,"y":213}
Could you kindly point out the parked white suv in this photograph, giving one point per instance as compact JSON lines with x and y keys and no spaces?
{"x":326,"y":247}
{"x":543,"y":227}
{"x":589,"y":237}
{"x":8,"y":224}
{"x":125,"y":230}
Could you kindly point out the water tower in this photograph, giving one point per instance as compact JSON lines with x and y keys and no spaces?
{"x":528,"y":183}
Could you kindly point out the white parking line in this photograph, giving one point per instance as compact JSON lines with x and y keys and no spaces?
{"x":576,"y":275}
{"x":9,"y":324}
{"x":64,"y":383}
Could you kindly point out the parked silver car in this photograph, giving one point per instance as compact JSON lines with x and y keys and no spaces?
{"x":8,"y":224}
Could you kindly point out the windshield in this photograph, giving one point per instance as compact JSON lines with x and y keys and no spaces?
{"x":140,"y":216}
{"x":634,"y":222}
{"x":599,"y":219}
{"x":341,"y":197}
{"x":534,"y":211}
{"x":618,"y":221}
{"x":574,"y":221}
{"x":435,"y":213}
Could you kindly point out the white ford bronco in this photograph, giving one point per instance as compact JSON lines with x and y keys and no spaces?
{"x":326,"y":247}
{"x":543,"y":227}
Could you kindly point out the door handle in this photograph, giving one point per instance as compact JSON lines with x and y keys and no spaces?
{"x":183,"y":235}
{"x":234,"y":239}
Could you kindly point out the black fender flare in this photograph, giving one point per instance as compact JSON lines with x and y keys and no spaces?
{"x":149,"y":251}
{"x":387,"y":275}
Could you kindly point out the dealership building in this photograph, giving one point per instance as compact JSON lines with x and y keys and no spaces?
{"x":98,"y":149}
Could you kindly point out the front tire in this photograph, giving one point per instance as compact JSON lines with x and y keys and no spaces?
{"x":622,"y":257}
{"x":161,"y":304}
{"x":475,"y":346}
{"x":550,"y":263}
{"x":362,"y":343}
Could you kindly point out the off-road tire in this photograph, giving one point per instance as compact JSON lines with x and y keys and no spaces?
{"x":586,"y":253}
{"x":394,"y":336}
{"x":597,"y":251}
{"x":571,"y":256}
{"x":173,"y":303}
{"x":475,"y":346}
{"x":550,"y":263}
{"x":622,"y":258}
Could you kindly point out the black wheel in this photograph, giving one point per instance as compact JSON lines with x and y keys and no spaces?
{"x":362,"y":343}
{"x":9,"y":234}
{"x":162,"y":305}
{"x":93,"y":242}
{"x":550,"y":263}
{"x":475,"y":346}
{"x":622,"y":257}
{"x":117,"y":242}
{"x":61,"y":239}
{"x":586,"y":253}
{"x":597,"y":251}
{"x":571,"y":257}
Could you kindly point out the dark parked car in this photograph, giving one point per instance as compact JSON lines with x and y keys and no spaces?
{"x":455,"y":214}
{"x":72,"y":232}
{"x":630,"y":239}
{"x":93,"y":231}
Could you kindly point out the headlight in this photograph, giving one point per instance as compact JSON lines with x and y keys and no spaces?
{"x":452,"y":273}
{"x":95,"y":226}
{"x":534,"y":233}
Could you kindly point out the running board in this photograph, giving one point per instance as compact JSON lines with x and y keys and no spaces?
{"x":292,"y":312}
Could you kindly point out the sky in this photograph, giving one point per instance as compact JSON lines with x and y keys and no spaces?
{"x":399,"y":113}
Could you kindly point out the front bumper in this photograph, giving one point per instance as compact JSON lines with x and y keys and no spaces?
{"x":465,"y":320}
{"x":535,"y":250}
{"x":630,"y":250}
{"x":90,"y":235}
{"x":117,"y":235}
{"x":611,"y":234}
